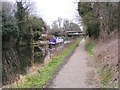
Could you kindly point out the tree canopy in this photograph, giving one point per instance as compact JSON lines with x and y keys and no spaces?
{"x":19,"y":24}
{"x":99,"y":18}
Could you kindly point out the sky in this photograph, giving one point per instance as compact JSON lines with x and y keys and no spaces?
{"x":50,"y":10}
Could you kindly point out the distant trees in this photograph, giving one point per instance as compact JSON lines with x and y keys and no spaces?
{"x":55,"y":25}
{"x":70,"y":26}
{"x":60,"y":26}
{"x":66,"y":24}
{"x":59,"y":21}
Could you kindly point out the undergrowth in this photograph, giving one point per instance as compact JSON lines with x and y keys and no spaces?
{"x":45,"y":74}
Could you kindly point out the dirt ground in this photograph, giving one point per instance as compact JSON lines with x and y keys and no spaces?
{"x":106,"y":55}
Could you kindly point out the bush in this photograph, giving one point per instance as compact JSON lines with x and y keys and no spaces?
{"x":93,"y":29}
{"x":90,"y":19}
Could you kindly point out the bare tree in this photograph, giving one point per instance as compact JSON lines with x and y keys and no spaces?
{"x":55,"y":25}
{"x":66,"y":24}
{"x":59,"y":21}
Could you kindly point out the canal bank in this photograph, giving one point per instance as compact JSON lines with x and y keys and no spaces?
{"x":45,"y":74}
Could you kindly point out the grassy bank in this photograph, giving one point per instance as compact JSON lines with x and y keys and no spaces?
{"x":89,"y":47}
{"x":45,"y":74}
{"x":105,"y":77}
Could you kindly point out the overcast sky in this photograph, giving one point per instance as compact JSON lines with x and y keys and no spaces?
{"x":50,"y":10}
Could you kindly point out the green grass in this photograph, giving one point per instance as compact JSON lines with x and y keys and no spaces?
{"x":45,"y":74}
{"x":105,"y":77}
{"x":89,"y":47}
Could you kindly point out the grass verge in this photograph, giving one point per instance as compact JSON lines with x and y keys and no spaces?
{"x":89,"y":46}
{"x":45,"y":74}
{"x":105,"y":77}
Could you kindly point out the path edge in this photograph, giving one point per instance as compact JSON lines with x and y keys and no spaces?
{"x":59,"y":68}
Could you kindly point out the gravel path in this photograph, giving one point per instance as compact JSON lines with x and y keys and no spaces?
{"x":74,"y":73}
